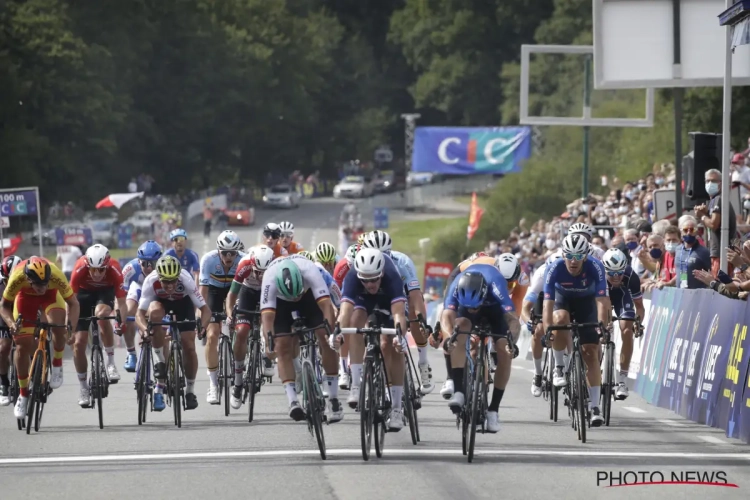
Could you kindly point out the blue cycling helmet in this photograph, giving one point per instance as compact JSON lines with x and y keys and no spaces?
{"x":150,"y":250}
{"x":471,"y":290}
{"x":177,"y":233}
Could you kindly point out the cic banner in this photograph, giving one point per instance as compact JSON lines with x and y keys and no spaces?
{"x":471,"y":150}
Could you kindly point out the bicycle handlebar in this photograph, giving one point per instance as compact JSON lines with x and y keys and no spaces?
{"x":571,"y":326}
{"x":366,"y":331}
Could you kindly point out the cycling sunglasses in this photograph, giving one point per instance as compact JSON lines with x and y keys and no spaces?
{"x":272,"y":234}
{"x":179,"y":238}
{"x":574,"y":256}
{"x":147,"y":263}
{"x":371,"y":279}
{"x":615,"y":273}
{"x":287,"y":234}
{"x":228,"y":253}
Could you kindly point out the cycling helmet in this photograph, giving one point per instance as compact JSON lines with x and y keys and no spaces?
{"x":228,"y":241}
{"x":508,"y":266}
{"x":575,"y":243}
{"x":242,"y":247}
{"x":38,"y":271}
{"x":168,"y":268}
{"x":378,"y":239}
{"x":272,"y":230}
{"x":262,"y":257}
{"x":369,"y":263}
{"x":325,"y":253}
{"x":582,"y":228}
{"x":149,"y":250}
{"x":289,"y":281}
{"x":9,"y":264}
{"x":178,"y":233}
{"x":286,"y":227}
{"x":306,"y":254}
{"x":471,"y":290}
{"x":476,"y":255}
{"x":351,"y":253}
{"x":614,"y":260}
{"x":97,"y":256}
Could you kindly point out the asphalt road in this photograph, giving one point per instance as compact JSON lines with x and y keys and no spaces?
{"x":217,"y":456}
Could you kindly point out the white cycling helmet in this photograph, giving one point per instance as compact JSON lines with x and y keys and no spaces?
{"x":614,"y":260}
{"x":351,"y":253}
{"x":508,"y":265}
{"x":378,"y":239}
{"x":97,"y":256}
{"x":582,"y":228}
{"x":262,"y":257}
{"x":287,"y":227}
{"x":228,"y":241}
{"x":575,"y":243}
{"x":369,"y":262}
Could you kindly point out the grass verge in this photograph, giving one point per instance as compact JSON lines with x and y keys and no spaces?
{"x":406,"y":236}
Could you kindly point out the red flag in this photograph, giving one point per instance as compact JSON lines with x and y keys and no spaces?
{"x":117,"y":200}
{"x":475,"y":215}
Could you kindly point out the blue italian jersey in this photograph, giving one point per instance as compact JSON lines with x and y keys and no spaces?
{"x":590,"y":282}
{"x":189,"y":260}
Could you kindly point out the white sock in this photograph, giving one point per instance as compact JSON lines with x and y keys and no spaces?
{"x":189,"y":386}
{"x":356,"y":375}
{"x":396,"y":392}
{"x":291,"y":391}
{"x":559,"y":357}
{"x":622,"y":377}
{"x":159,"y":355}
{"x":110,"y":355}
{"x":594,"y":393}
{"x":422,"y":355}
{"x":239,"y":369}
{"x":82,"y":380}
{"x":297,"y":365}
{"x":333,"y":386}
{"x":538,"y":366}
{"x":213,"y":376}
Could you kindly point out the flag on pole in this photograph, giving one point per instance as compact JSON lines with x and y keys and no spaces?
{"x":475,"y":215}
{"x":117,"y":200}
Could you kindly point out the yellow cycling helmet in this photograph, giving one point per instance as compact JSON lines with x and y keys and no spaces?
{"x":306,"y":254}
{"x":38,"y":270}
{"x":325,"y":253}
{"x":168,"y":268}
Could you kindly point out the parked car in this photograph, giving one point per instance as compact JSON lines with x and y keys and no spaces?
{"x":142,"y":220}
{"x":282,"y":195}
{"x":353,"y":186}
{"x":239,"y":214}
{"x":386,"y":182}
{"x":419,"y":178}
{"x":48,"y":237}
{"x":104,"y":232}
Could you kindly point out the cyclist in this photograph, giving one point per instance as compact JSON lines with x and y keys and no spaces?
{"x":576,"y":288}
{"x":218,"y":268}
{"x":6,"y":342}
{"x":333,"y":288}
{"x":344,"y":265}
{"x":97,"y":285}
{"x":37,"y":285}
{"x":415,"y":300}
{"x":133,"y":275}
{"x":187,"y":258}
{"x":376,"y":285}
{"x":476,"y":295}
{"x":624,"y":293}
{"x":325,"y":255}
{"x":587,"y":232}
{"x":246,"y":288}
{"x":293,"y":286}
{"x":172,"y":290}
{"x":271,"y":236}
{"x":288,"y":247}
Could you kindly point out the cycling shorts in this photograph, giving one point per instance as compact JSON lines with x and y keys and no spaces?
{"x":582,"y":310}
{"x":183,"y":310}
{"x":248,"y":300}
{"x":28,"y":306}
{"x":622,"y":302}
{"x":89,"y":299}
{"x":306,"y":307}
{"x":494,"y":315}
{"x":539,"y":305}
{"x":216,"y":298}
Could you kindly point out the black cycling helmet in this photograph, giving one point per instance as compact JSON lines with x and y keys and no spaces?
{"x":471,"y":290}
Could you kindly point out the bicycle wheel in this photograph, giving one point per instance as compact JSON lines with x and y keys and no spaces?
{"x":142,"y":383}
{"x":553,"y":392}
{"x":367,"y":408}
{"x":409,"y":412}
{"x":607,"y":382}
{"x":225,"y":372}
{"x":96,"y":383}
{"x":315,"y":406}
{"x":381,"y":407}
{"x":252,"y":376}
{"x":175,"y":376}
{"x":478,"y":399}
{"x":34,"y":392}
{"x":579,"y":386}
{"x":465,"y":416}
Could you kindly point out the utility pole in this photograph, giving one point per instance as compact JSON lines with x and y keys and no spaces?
{"x":410,"y":124}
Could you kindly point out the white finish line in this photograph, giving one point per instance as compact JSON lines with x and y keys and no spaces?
{"x":357,"y":452}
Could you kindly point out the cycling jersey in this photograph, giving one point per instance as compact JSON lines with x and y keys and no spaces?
{"x":189,"y":260}
{"x":517,"y":288}
{"x":81,"y":279}
{"x":391,"y":290}
{"x":537,"y":283}
{"x":623,"y":295}
{"x":184,"y":288}
{"x":244,"y":274}
{"x":340,"y":272}
{"x":333,"y":288}
{"x":496,"y":285}
{"x":132,"y":273}
{"x":212,"y":271}
{"x":292,"y":249}
{"x":589,"y":282}
{"x":406,"y":268}
{"x":17,"y":283}
{"x":311,"y":279}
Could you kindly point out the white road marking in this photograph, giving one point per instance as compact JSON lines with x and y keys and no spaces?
{"x":517,"y":367}
{"x":633,"y":409}
{"x":713,"y":440}
{"x":313,"y":239}
{"x":671,"y":423}
{"x":358,"y":452}
{"x":532,"y":370}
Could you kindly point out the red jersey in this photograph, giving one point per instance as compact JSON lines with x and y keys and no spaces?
{"x":80,"y":278}
{"x":667,"y":271}
{"x":340,"y":272}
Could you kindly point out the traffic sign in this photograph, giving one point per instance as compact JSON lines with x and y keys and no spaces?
{"x":4,"y":222}
{"x":665,"y":206}
{"x":384,"y":154}
{"x":380,"y":218}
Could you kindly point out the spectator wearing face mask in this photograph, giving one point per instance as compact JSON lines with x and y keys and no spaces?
{"x":690,"y":256}
{"x":710,"y":216}
{"x":660,"y":263}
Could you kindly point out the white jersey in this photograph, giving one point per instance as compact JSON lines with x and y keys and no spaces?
{"x":185,"y":287}
{"x":69,"y":255}
{"x":311,"y":280}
